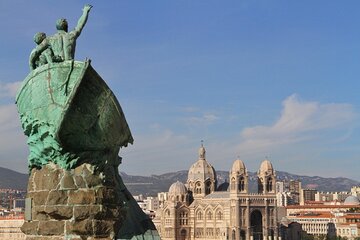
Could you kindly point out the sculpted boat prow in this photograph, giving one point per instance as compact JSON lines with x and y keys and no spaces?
{"x":76,"y":108}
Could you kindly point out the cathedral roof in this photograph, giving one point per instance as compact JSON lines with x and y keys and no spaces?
{"x":201,"y":170}
{"x":220,"y":195}
{"x":177,"y":188}
{"x":238,"y":167}
{"x":223,"y":187}
{"x":266,"y":167}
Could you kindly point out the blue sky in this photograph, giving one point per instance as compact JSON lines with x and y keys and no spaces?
{"x":250,"y":78}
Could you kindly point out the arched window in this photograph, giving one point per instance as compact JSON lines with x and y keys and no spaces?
{"x":208,"y":187}
{"x":209,"y":215}
{"x":219,"y":215}
{"x":199,"y":215}
{"x":241,"y":184}
{"x":167,"y":212}
{"x":198,"y":188}
{"x":233,"y":184}
{"x":183,"y":234}
{"x":260,"y":185}
{"x":269,"y":186}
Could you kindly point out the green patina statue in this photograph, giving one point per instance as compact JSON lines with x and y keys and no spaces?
{"x":68,"y":112}
{"x":62,"y":43}
{"x":71,"y":117}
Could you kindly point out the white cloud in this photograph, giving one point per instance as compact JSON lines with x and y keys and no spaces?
{"x":8,"y":118}
{"x":205,"y":119}
{"x":9,"y":89}
{"x":299,"y":121}
{"x":13,"y":148}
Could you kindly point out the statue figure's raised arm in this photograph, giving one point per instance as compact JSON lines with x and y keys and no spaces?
{"x":82,"y":20}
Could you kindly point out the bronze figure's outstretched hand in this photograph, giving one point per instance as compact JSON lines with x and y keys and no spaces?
{"x":87,"y":8}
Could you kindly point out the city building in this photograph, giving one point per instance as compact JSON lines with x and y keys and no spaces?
{"x":348,"y":225}
{"x":316,"y":223}
{"x":331,"y":196}
{"x":355,"y":191}
{"x":10,"y":228}
{"x":149,"y":205}
{"x":288,"y":192}
{"x":329,"y":219}
{"x":283,"y":199}
{"x":200,"y":209}
{"x":307,"y":195}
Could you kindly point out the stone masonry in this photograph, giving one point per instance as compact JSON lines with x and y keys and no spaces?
{"x":74,"y":204}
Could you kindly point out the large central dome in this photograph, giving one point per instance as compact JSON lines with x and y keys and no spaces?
{"x":201,"y":170}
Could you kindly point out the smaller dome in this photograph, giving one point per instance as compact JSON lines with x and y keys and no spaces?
{"x":238,"y":167}
{"x":351,"y":200}
{"x":266,"y":166}
{"x":177,"y":188}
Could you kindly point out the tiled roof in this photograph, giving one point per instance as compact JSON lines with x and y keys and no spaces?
{"x":315,"y":215}
{"x":218,"y":195}
{"x":320,"y":206}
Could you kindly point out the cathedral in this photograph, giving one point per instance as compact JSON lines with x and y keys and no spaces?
{"x":199,"y":209}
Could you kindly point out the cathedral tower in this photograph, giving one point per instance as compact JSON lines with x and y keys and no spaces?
{"x":238,"y":178}
{"x":201,"y":177}
{"x":266,"y":178}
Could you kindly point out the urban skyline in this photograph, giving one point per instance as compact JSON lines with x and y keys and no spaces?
{"x":251,"y":79}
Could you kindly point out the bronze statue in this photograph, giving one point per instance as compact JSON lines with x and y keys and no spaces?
{"x":75,"y":128}
{"x":62,"y":43}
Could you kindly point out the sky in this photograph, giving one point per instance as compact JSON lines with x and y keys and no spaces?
{"x":252,"y":79}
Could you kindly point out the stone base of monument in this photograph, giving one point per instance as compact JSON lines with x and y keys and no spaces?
{"x":74,"y":204}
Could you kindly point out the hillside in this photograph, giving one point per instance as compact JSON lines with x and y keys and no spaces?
{"x":12,"y":179}
{"x":161,"y":183}
{"x":151,"y":185}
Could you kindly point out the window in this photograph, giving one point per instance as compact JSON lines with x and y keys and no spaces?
{"x":183,"y":218}
{"x":241,"y":184}
{"x":269,"y":185}
{"x":233,"y":184}
{"x":199,"y":215}
{"x":208,"y":188}
{"x":219,"y":215}
{"x":209,"y":215}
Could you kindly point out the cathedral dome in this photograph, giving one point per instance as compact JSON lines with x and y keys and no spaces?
{"x":177,"y":188}
{"x":266,"y":167}
{"x":351,"y":200}
{"x":201,"y":170}
{"x":238,"y":167}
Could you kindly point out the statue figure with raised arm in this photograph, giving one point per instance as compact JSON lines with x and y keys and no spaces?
{"x":62,"y":43}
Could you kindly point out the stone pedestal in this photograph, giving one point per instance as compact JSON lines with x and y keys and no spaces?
{"x":74,"y":204}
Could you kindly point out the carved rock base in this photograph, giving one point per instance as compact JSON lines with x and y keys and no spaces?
{"x":74,"y":204}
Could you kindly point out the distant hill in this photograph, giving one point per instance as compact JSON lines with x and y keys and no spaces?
{"x":12,"y":179}
{"x":151,"y":185}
